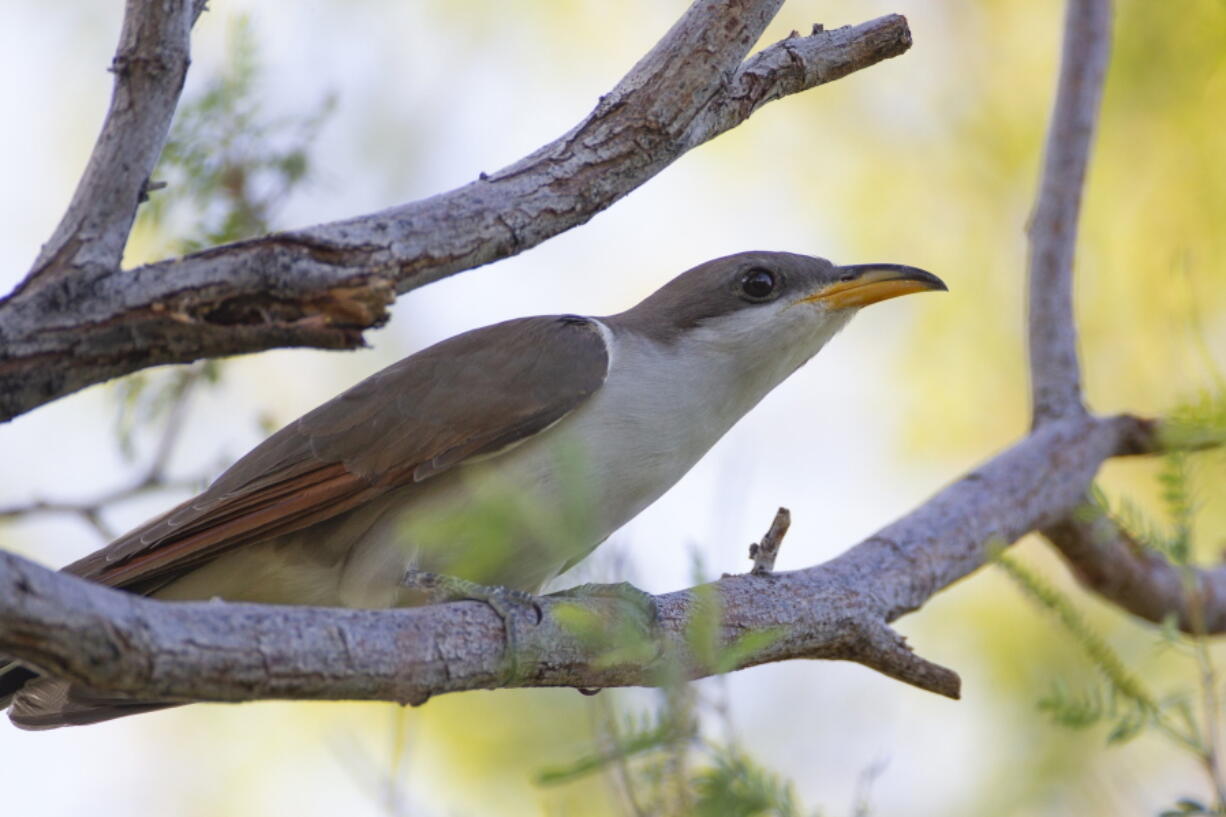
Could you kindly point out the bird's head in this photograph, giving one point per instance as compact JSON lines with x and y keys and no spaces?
{"x":766,"y":303}
{"x":736,"y":327}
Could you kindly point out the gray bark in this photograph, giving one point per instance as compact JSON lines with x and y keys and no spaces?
{"x":1054,"y":371}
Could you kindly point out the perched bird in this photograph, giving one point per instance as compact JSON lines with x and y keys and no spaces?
{"x":501,"y":456}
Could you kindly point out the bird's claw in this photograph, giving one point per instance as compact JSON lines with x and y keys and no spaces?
{"x":640,"y":600}
{"x":641,"y":604}
{"x":507,"y":602}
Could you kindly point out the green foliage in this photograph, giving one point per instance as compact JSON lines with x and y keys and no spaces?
{"x":637,"y":735}
{"x":660,"y":760}
{"x":651,"y":756}
{"x":1185,"y":806}
{"x":227,"y":166}
{"x":734,"y":786}
{"x":1173,"y":539}
{"x":1128,"y":702}
{"x":1122,"y":701}
{"x":1177,"y":498}
{"x":620,"y":639}
{"x":146,"y":400}
{"x":1199,"y":422}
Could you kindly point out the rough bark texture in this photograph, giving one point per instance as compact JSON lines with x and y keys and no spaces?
{"x":79,"y":319}
{"x":841,"y":609}
{"x":149,"y":67}
{"x":1108,"y":561}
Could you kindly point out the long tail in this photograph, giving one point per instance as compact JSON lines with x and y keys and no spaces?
{"x":13,"y":676}
{"x":49,"y":703}
{"x":37,"y":702}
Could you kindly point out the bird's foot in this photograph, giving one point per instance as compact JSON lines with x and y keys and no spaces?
{"x":511,"y":605}
{"x":640,"y":601}
{"x":641,"y":605}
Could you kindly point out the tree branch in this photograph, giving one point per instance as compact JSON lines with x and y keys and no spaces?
{"x":150,"y":66}
{"x":1108,"y":561}
{"x":1103,"y":557}
{"x":1054,"y":371}
{"x":839,"y":610}
{"x":323,"y":285}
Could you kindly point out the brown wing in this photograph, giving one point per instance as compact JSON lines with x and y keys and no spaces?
{"x":470,"y":395}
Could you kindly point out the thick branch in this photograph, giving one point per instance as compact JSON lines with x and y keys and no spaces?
{"x":1054,"y":371}
{"x":1109,"y":562}
{"x":323,"y":285}
{"x":150,"y":66}
{"x":841,"y":609}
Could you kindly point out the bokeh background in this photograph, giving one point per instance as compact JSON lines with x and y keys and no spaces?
{"x":929,"y":159}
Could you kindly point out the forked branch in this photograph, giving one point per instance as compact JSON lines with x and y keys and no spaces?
{"x":322,"y":286}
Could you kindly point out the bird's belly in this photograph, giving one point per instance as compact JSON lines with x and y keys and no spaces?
{"x":520,"y":517}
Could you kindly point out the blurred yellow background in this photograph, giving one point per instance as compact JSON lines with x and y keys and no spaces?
{"x":930,"y":159}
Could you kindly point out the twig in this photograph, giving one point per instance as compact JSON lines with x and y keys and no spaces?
{"x":763,"y":553}
{"x":153,"y":478}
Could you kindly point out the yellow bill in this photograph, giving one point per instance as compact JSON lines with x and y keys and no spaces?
{"x":863,"y":284}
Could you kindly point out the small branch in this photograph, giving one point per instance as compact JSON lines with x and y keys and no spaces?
{"x":797,"y":64}
{"x":91,"y":510}
{"x":322,"y":286}
{"x":1109,"y":562}
{"x":884,"y":650}
{"x":764,"y":553}
{"x":152,"y":479}
{"x":149,"y":67}
{"x":1054,"y":370}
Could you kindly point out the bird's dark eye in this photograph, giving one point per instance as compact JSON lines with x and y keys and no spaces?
{"x":758,"y":284}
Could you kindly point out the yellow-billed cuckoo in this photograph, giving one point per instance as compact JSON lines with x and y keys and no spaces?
{"x":502,"y":456}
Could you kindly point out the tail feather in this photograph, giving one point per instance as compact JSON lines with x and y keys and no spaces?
{"x":13,"y":676}
{"x":35,"y":702}
{"x":49,"y":703}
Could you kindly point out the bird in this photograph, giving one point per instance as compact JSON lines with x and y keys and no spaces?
{"x":501,"y":456}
